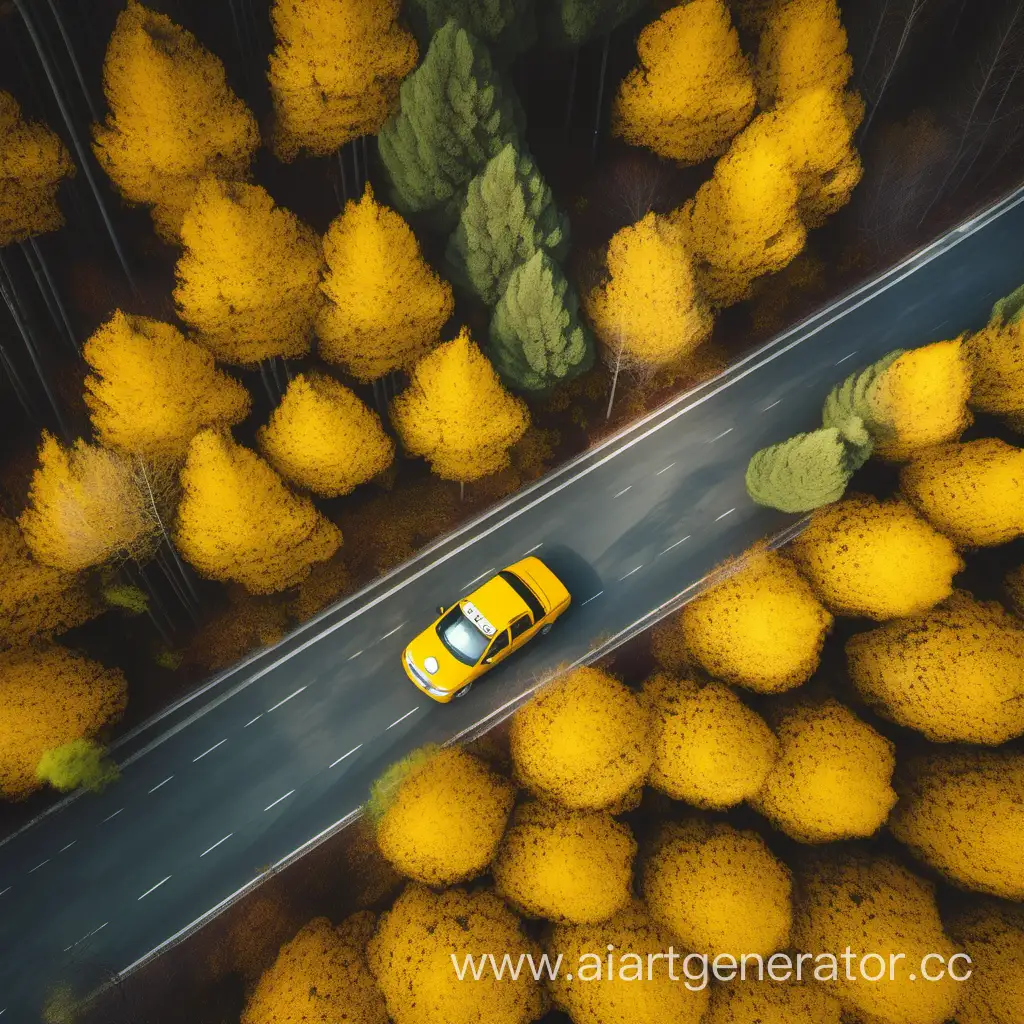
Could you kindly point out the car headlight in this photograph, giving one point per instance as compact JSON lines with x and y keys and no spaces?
{"x":430,"y":664}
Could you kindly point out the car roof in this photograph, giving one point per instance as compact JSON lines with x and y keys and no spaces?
{"x":498,"y":602}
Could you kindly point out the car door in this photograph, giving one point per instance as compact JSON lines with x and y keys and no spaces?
{"x":497,"y":651}
{"x":521,"y":630}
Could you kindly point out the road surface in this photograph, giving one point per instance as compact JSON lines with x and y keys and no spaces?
{"x":277,"y":752}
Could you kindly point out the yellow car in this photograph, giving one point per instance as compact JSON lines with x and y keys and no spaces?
{"x":485,"y":627}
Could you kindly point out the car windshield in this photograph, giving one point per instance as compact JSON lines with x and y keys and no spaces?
{"x":461,"y":637}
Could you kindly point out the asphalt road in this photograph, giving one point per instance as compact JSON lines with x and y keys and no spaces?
{"x":278,"y":751}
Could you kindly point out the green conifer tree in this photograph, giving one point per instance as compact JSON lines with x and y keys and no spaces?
{"x":537,"y":338}
{"x":509,"y":214}
{"x":454,"y":114}
{"x":801,"y":473}
{"x":571,"y":23}
{"x":852,"y":398}
{"x":508,"y":26}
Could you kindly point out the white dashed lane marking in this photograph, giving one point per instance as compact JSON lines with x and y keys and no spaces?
{"x":718,"y":437}
{"x":159,"y":784}
{"x":285,"y":701}
{"x":778,"y":401}
{"x":216,"y":844}
{"x":155,"y":887}
{"x":630,"y":573}
{"x":343,"y":756}
{"x":38,"y":866}
{"x":849,"y":355}
{"x":251,"y":720}
{"x":205,"y":752}
{"x":623,"y":491}
{"x":665,"y":469}
{"x":724,"y":514}
{"x":593,"y":597}
{"x":110,"y":817}
{"x":675,"y":545}
{"x":402,"y":719}
{"x":279,"y":799}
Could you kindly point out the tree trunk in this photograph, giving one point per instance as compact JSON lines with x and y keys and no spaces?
{"x":615,"y":381}
{"x":44,"y":282}
{"x":600,"y":91}
{"x":915,"y":10}
{"x":572,"y":88}
{"x":344,"y":176}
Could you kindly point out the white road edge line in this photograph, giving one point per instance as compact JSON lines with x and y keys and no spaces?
{"x":486,"y":572}
{"x":724,"y":514}
{"x":753,"y":361}
{"x":159,"y":784}
{"x":110,"y":817}
{"x":205,"y":752}
{"x":623,"y":491}
{"x":251,"y":720}
{"x":675,"y":545}
{"x":343,"y":756}
{"x":630,"y":573}
{"x":38,"y":866}
{"x":216,"y":844}
{"x":278,"y":800}
{"x":402,"y":719}
{"x":665,"y":470}
{"x":843,"y":360}
{"x":593,"y":597}
{"x":68,"y":847}
{"x":718,"y":437}
{"x":155,"y":887}
{"x":778,"y":401}
{"x":285,"y":701}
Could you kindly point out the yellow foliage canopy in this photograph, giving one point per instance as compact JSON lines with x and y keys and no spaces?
{"x":692,"y":90}
{"x":955,"y":673}
{"x":744,"y":222}
{"x":446,"y":819}
{"x":335,"y":72}
{"x":761,"y":627}
{"x":993,"y":935}
{"x":921,"y":399}
{"x":411,"y":957}
{"x":385,"y":306}
{"x":48,"y":697}
{"x":963,"y":814}
{"x":456,"y":414}
{"x":649,"y":311}
{"x":86,"y":506}
{"x":769,"y":1002}
{"x":584,"y":741}
{"x":719,"y":890}
{"x":878,"y":906}
{"x":33,"y":161}
{"x":246,"y":624}
{"x":874,"y":558}
{"x":173,"y":118}
{"x":317,"y":978}
{"x":599,"y":999}
{"x":323,"y":438}
{"x":248,"y":280}
{"x":710,"y":749}
{"x":238,"y":521}
{"x":152,"y":390}
{"x":803,"y":47}
{"x":971,"y":491}
{"x":996,"y":355}
{"x":35,"y":599}
{"x":833,"y":778}
{"x":567,"y":866}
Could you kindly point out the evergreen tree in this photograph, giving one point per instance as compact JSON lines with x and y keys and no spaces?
{"x":508,"y":26}
{"x":572,"y":23}
{"x":335,"y":72}
{"x":536,"y":338}
{"x":509,"y":215}
{"x":802,"y":473}
{"x":852,"y":398}
{"x":33,"y":161}
{"x":454,"y":115}
{"x":248,"y":279}
{"x":173,"y":117}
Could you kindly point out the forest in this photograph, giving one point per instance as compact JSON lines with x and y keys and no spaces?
{"x":293,"y":289}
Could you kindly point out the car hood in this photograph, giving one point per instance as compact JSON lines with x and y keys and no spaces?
{"x":451,"y":673}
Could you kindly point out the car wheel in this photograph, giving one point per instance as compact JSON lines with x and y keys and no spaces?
{"x":546,"y":628}
{"x":464,"y":691}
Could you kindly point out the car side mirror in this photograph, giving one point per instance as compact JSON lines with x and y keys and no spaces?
{"x":440,"y":609}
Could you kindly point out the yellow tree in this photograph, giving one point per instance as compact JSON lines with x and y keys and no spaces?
{"x":802,"y":47}
{"x":248,"y":280}
{"x":816,"y":130}
{"x":456,"y":414}
{"x":35,"y":599}
{"x":938,"y":819}
{"x":833,"y":776}
{"x":955,"y":674}
{"x":692,"y":90}
{"x":335,"y":72}
{"x":152,"y":390}
{"x":718,"y":890}
{"x":618,"y":999}
{"x":385,"y":306}
{"x":50,"y":696}
{"x":970,"y":491}
{"x":323,"y":438}
{"x":744,"y":221}
{"x":411,"y":956}
{"x":86,"y":506}
{"x":761,"y":627}
{"x":849,"y":900}
{"x":584,"y":742}
{"x":568,"y":866}
{"x":770,"y":1002}
{"x":319,"y":977}
{"x":33,"y":162}
{"x":710,"y":749}
{"x":238,"y":521}
{"x":649,"y":311}
{"x":445,"y":819}
{"x":173,"y":118}
{"x":874,"y":558}
{"x":993,"y":935}
{"x":996,"y":355}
